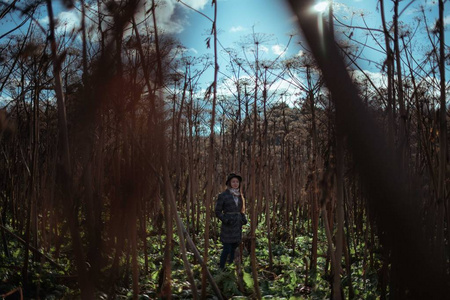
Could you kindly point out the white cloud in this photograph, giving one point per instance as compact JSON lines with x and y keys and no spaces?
{"x":170,"y":18}
{"x":65,"y":21}
{"x":185,"y":52}
{"x":300,"y":53}
{"x":170,"y":15}
{"x":69,"y":19}
{"x":281,"y":90}
{"x":348,"y":12}
{"x":447,"y":20}
{"x":43,"y":21}
{"x":237,"y":28}
{"x":264,"y":49}
{"x":228,"y":86}
{"x":5,"y":98}
{"x":197,"y":4}
{"x":378,"y":79}
{"x":287,"y":91}
{"x":278,"y":50}
{"x":193,"y":50}
{"x":165,"y":14}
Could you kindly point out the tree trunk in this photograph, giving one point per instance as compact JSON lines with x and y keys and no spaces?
{"x":390,"y":75}
{"x":443,"y":120}
{"x":33,"y":188}
{"x":403,"y":117}
{"x":337,"y":290}
{"x":210,"y":167}
{"x":87,"y":290}
{"x":253,"y":204}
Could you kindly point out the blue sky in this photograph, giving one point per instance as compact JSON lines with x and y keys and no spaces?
{"x":237,"y":19}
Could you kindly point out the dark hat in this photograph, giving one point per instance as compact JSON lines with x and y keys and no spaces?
{"x":231,"y":176}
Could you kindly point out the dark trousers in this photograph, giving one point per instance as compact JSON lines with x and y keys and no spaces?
{"x":228,"y":250}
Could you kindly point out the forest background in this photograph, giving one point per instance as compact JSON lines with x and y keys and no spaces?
{"x":116,"y":139}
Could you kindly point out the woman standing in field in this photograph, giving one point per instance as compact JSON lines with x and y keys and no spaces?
{"x":230,"y":209}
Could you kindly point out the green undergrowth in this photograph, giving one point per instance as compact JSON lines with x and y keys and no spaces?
{"x":289,"y":277}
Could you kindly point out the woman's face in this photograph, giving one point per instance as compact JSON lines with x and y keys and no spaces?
{"x":234,"y":183}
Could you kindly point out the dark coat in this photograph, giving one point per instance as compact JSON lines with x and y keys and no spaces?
{"x":231,"y":217}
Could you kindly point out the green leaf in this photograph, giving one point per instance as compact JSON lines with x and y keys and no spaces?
{"x":248,"y":280}
{"x":154,"y":276}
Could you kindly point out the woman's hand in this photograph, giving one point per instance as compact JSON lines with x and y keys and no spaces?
{"x":243,"y":219}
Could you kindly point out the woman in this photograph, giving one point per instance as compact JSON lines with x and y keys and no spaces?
{"x":230,"y":209}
